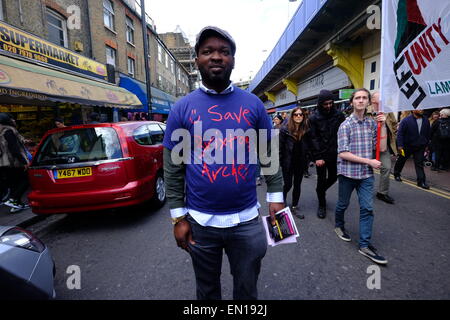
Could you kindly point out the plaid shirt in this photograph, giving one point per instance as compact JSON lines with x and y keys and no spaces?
{"x":358,"y":137}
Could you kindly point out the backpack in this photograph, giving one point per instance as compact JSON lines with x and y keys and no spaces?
{"x":444,"y":130}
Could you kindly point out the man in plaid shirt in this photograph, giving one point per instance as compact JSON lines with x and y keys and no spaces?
{"x":357,"y":138}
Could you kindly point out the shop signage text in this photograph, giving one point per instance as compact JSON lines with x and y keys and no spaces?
{"x":31,"y":47}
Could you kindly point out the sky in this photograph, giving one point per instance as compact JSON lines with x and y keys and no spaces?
{"x":255,"y":25}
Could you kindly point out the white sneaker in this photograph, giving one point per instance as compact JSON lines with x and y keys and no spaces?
{"x":20,"y":207}
{"x":12,"y":203}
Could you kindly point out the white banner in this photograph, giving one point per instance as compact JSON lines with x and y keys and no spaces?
{"x":415,"y":54}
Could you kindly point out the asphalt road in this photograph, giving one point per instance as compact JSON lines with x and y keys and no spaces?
{"x":131,"y":253}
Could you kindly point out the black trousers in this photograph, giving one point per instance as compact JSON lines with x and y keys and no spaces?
{"x":294,"y":173}
{"x":419,"y":158}
{"x":17,"y":180}
{"x":326,"y":177}
{"x":442,"y":154}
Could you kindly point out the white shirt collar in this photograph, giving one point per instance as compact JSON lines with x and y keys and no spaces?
{"x":229,"y":89}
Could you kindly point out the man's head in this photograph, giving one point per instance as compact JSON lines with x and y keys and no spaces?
{"x":325,"y":101}
{"x":59,"y":123}
{"x":360,"y":99}
{"x":215,"y":50}
{"x":284,"y":114}
{"x":94,"y":116}
{"x":376,"y":101}
{"x":445,"y":113}
{"x":5,"y":119}
{"x":417,"y":113}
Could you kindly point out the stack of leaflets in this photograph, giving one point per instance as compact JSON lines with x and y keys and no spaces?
{"x":283,"y":231}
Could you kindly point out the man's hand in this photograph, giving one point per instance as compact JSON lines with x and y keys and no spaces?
{"x":374,"y":163}
{"x":274,"y":207}
{"x":183,"y":234}
{"x":320,"y":163}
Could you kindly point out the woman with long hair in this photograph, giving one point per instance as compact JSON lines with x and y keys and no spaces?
{"x":295,"y":142}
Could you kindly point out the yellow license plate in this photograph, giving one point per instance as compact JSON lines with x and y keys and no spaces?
{"x":73,"y":173}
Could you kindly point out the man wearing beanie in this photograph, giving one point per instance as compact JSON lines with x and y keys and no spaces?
{"x":325,"y":123}
{"x":214,"y":205}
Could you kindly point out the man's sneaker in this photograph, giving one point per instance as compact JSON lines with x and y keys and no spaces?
{"x":12,"y":203}
{"x":20,"y":208}
{"x":341,"y":233}
{"x":371,"y":253}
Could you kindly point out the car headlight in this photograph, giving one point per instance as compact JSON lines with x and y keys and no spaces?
{"x":17,"y":237}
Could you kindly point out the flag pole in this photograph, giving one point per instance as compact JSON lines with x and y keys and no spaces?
{"x":378,"y":141}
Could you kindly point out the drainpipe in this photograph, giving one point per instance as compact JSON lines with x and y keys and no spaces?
{"x":20,"y":12}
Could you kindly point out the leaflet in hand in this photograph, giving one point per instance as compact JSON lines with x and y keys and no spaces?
{"x":284,"y":230}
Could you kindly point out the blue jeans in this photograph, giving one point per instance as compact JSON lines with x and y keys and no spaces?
{"x":245,"y":246}
{"x":364,"y":189}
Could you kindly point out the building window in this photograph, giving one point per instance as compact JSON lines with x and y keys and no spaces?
{"x":130,"y":30}
{"x":131,"y":67}
{"x":179,"y":75}
{"x":108,"y":14}
{"x":57,"y":28}
{"x":172,"y":66}
{"x":167,"y":61}
{"x":110,"y":56}
{"x":159,"y":81}
{"x":159,"y":53}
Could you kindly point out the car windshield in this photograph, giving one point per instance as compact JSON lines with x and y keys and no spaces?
{"x":80,"y":145}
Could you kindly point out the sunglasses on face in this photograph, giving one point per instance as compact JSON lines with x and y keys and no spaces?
{"x":298,"y":114}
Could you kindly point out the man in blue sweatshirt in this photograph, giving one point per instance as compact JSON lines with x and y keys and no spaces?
{"x":213,"y":204}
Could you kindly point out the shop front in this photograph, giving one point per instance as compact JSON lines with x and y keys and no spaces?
{"x":161,"y":101}
{"x":40,"y":81}
{"x":34,"y":95}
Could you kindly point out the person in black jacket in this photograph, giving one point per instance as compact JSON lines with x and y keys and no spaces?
{"x":325,"y":123}
{"x":294,"y":144}
{"x":413,"y":137}
{"x":13,"y":162}
{"x":440,"y":137}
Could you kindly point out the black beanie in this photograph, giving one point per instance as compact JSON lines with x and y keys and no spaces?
{"x":324,"y":95}
{"x":5,"y":119}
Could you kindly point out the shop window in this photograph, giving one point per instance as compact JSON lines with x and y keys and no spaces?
{"x":57,"y":28}
{"x":110,"y":56}
{"x":130,"y":30}
{"x":131,"y":67}
{"x":108,"y":14}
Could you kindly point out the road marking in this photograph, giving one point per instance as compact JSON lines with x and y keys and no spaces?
{"x":433,"y":190}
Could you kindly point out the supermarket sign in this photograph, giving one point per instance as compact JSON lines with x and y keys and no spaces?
{"x":21,"y":43}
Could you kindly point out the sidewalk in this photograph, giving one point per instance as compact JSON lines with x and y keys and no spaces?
{"x":439,"y":180}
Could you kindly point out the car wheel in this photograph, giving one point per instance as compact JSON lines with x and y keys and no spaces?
{"x":160,"y":191}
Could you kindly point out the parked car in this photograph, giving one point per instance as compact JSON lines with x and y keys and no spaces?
{"x":27,"y":269}
{"x":98,"y":166}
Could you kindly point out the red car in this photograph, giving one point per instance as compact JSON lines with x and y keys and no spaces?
{"x":98,"y":166}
